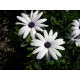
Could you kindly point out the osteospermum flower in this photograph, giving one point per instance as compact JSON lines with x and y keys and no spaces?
{"x":76,"y":28}
{"x":47,"y":45}
{"x":31,"y":23}
{"x":74,"y":33}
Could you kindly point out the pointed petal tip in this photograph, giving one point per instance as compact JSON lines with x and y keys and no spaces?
{"x":17,"y":17}
{"x":56,"y":59}
{"x":24,"y":37}
{"x":16,"y":23}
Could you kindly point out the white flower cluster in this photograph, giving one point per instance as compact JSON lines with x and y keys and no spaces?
{"x":46,"y":44}
{"x":74,"y":34}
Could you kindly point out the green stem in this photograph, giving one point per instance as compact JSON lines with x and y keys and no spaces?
{"x":39,"y":66}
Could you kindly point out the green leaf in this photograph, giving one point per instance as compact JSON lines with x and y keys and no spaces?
{"x":63,"y":61}
{"x":23,"y":45}
{"x":51,"y":62}
{"x":53,"y":20}
{"x":30,"y":48}
{"x":29,"y":55}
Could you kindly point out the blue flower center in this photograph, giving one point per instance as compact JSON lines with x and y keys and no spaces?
{"x":47,"y":44}
{"x":31,"y":24}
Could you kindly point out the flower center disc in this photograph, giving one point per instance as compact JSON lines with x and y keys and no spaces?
{"x":47,"y":44}
{"x":31,"y":24}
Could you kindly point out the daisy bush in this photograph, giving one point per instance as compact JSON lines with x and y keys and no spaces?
{"x":49,"y":39}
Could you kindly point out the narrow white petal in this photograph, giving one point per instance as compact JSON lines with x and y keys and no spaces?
{"x":26,"y":33}
{"x":56,"y":52}
{"x":76,"y":22}
{"x":75,"y":32}
{"x":73,"y":28}
{"x":34,"y":40}
{"x":37,"y":41}
{"x":18,"y":23}
{"x":38,"y":28}
{"x":36,"y":44}
{"x":22,"y":19}
{"x":40,"y":21}
{"x":26,"y":17}
{"x":42,"y":25}
{"x":31,"y":15}
{"x":42,"y":53}
{"x":59,"y":47}
{"x":50,"y":35}
{"x":22,"y":30}
{"x":33,"y":32}
{"x":38,"y":50}
{"x":76,"y":44}
{"x":39,"y":15}
{"x":45,"y":34}
{"x":34,"y":16}
{"x":40,"y":37}
{"x":54,"y":36}
{"x":58,"y":42}
{"x":53,"y":54}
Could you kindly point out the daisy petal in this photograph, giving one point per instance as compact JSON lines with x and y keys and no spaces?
{"x":26,"y":17}
{"x":57,"y":52}
{"x":33,"y":32}
{"x":38,"y":28}
{"x":34,"y":15}
{"x":22,"y":19}
{"x":74,"y":28}
{"x":40,"y":21}
{"x":39,"y":15}
{"x":59,"y":47}
{"x":76,"y":44}
{"x":40,"y":37}
{"x":31,"y":15}
{"x":26,"y":33}
{"x":38,"y":50}
{"x":50,"y":35}
{"x":53,"y":54}
{"x":76,"y":23}
{"x":54,"y":36}
{"x":37,"y":41}
{"x":42,"y":25}
{"x":36,"y":44}
{"x":42,"y":53}
{"x":18,"y":23}
{"x":22,"y":30}
{"x":45,"y":34}
{"x":58,"y":42}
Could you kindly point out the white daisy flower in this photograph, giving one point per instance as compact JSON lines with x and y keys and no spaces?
{"x":47,"y":45}
{"x":76,"y":28}
{"x":74,"y":33}
{"x":31,"y":23}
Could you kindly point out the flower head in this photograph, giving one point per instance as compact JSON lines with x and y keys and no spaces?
{"x":31,"y":23}
{"x":74,"y":33}
{"x":76,"y":28}
{"x":47,"y":45}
